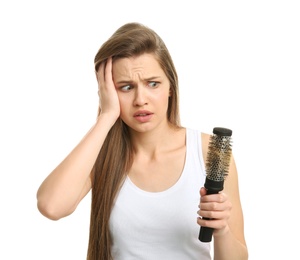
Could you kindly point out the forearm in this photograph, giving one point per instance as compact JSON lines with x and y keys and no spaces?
{"x":62,"y":190}
{"x":227,"y":247}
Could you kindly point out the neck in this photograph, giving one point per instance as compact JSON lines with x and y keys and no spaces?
{"x":153,"y":142}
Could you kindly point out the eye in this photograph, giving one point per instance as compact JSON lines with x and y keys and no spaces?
{"x":153,"y":84}
{"x":126,"y":88}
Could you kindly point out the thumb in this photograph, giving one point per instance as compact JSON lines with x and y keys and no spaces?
{"x":203,"y":191}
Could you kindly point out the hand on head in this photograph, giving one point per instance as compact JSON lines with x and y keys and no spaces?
{"x":108,"y":97}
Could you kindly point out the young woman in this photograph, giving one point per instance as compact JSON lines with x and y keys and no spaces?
{"x":145,"y":171}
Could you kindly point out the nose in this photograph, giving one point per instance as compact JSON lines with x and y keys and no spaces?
{"x":140,"y":96}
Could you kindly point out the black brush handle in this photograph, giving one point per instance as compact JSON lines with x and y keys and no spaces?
{"x":205,"y":234}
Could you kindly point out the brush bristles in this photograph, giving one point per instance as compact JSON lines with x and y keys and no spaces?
{"x":218,"y":157}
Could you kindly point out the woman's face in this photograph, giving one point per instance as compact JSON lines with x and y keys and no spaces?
{"x":143,"y":89}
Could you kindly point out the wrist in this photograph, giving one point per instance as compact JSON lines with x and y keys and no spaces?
{"x":108,"y":119}
{"x":221,"y":232}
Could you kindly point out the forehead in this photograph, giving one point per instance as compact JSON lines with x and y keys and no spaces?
{"x":142,"y":64}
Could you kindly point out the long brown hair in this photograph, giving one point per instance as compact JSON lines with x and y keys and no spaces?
{"x":115,"y":157}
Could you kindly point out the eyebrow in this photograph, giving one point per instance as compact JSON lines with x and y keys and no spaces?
{"x":146,"y":79}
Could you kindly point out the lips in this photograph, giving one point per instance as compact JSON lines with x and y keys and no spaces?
{"x":143,"y":116}
{"x":142,"y":113}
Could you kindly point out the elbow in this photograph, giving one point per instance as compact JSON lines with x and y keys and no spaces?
{"x":50,"y":211}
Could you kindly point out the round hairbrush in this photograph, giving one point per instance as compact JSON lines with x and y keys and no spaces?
{"x":217,"y":167}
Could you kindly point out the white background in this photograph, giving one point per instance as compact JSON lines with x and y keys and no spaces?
{"x":238,"y":64}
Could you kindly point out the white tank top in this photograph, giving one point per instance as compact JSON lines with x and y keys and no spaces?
{"x":162,"y":225}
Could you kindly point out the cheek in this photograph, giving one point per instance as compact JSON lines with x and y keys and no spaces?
{"x":122,"y":100}
{"x":124,"y":105}
{"x":163,"y":98}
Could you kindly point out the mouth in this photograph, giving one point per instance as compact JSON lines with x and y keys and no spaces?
{"x":143,"y":116}
{"x":142,"y":113}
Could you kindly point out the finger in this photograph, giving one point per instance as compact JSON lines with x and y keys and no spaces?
{"x":100,"y":72}
{"x":108,"y":69}
{"x":219,"y":197}
{"x":203,"y":191}
{"x":214,"y":214}
{"x":100,"y":76}
{"x":215,"y":223}
{"x":215,"y":206}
